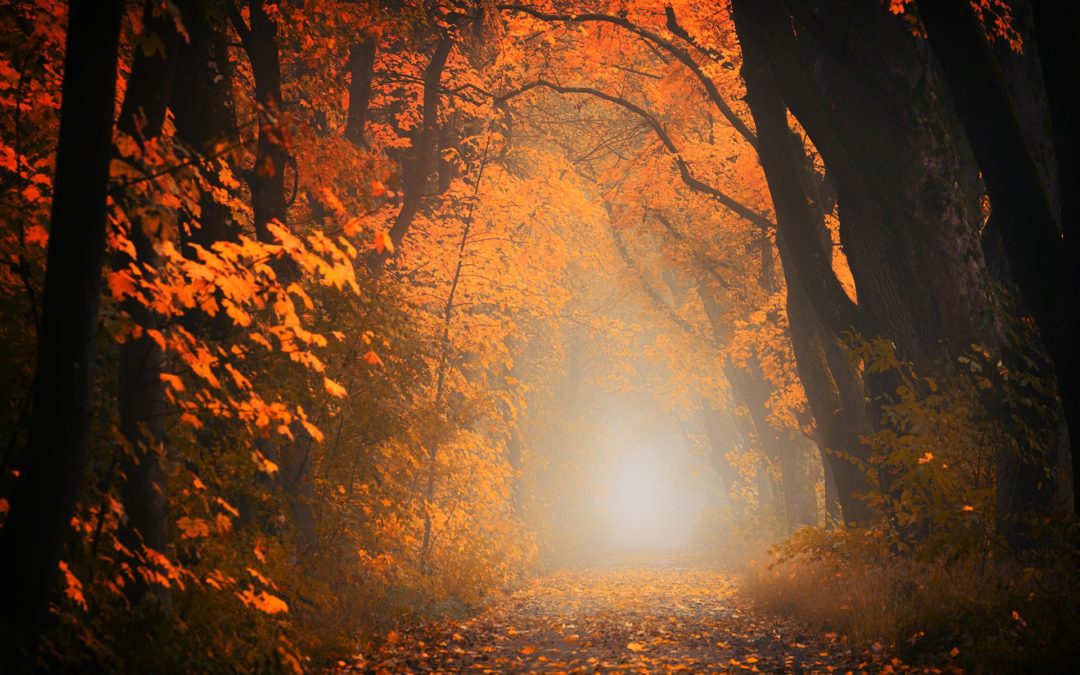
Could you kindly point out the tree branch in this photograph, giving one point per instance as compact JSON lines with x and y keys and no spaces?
{"x":660,"y":41}
{"x":684,"y":168}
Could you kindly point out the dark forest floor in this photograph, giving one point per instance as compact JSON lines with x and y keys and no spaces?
{"x":624,"y":618}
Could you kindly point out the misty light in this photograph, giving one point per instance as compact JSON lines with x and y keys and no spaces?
{"x":648,"y":501}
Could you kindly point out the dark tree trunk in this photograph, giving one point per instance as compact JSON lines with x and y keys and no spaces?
{"x":425,"y":144}
{"x":268,"y":200}
{"x":44,"y":496}
{"x":1023,"y":211}
{"x":267,"y":177}
{"x":807,"y":266}
{"x":141,"y":392}
{"x":204,"y":115}
{"x":910,"y":224}
{"x":361,"y":70}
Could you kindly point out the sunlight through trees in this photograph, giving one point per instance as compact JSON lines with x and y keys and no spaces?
{"x":331,"y":325}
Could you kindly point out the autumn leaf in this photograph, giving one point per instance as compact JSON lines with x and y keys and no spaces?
{"x":263,"y":464}
{"x":636,"y":646}
{"x":263,"y":601}
{"x":73,"y":588}
{"x":528,"y":649}
{"x":383,"y":242}
{"x":193,"y":528}
{"x":372,"y":358}
{"x":121,"y":284}
{"x":333,"y":388}
{"x":173,"y":381}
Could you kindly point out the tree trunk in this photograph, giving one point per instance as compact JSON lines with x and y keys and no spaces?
{"x":425,"y":144}
{"x":267,"y":177}
{"x":361,"y":69}
{"x":799,"y":487}
{"x":910,"y":224}
{"x":1022,"y":208}
{"x":141,"y":392}
{"x":800,"y":220}
{"x":204,"y":115}
{"x":45,"y":494}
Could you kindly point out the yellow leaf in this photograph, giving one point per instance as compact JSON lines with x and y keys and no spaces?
{"x":334,"y":388}
{"x":264,"y":464}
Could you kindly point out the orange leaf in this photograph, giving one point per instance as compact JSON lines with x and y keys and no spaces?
{"x":173,"y":381}
{"x":263,"y":601}
{"x":372,"y":358}
{"x":383,"y":242}
{"x":121,"y":284}
{"x":334,"y":388}
{"x":73,"y":588}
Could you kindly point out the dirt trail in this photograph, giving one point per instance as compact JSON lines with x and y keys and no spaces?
{"x":621,"y":618}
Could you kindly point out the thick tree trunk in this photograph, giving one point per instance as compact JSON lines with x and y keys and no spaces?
{"x":141,"y":392}
{"x":205,"y":120}
{"x":800,"y":220}
{"x":909,"y":223}
{"x":1023,"y":210}
{"x":44,"y":496}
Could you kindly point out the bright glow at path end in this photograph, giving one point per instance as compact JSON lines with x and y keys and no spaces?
{"x":649,"y":502}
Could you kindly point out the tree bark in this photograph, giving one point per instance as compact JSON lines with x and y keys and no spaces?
{"x":1022,"y":208}
{"x":361,"y":70}
{"x":267,"y":177}
{"x":204,"y":115}
{"x":140,"y":391}
{"x":806,"y":264}
{"x":906,"y":183}
{"x":44,"y":496}
{"x":425,"y":143}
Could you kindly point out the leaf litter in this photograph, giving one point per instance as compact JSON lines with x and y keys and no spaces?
{"x":617,"y":617}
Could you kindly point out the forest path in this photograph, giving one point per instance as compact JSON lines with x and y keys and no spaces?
{"x":622,"y":618}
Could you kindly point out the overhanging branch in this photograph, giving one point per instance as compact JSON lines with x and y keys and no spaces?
{"x":688,"y":178}
{"x":667,"y":45}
